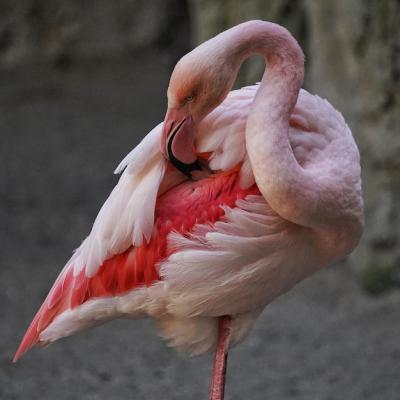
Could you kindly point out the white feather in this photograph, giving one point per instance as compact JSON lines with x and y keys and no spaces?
{"x":236,"y":255}
{"x":147,"y":148}
{"x":127,"y":216}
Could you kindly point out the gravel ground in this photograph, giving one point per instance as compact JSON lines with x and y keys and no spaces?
{"x":62,"y":133}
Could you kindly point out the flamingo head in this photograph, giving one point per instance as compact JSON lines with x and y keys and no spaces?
{"x":198,"y":84}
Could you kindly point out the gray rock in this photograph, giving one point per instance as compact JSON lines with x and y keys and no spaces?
{"x":355,"y":63}
{"x":353,"y":59}
{"x":42,"y":31}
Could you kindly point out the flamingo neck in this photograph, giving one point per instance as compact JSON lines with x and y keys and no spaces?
{"x":279,"y":177}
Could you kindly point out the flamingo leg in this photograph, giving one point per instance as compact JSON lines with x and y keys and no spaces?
{"x":221,"y":356}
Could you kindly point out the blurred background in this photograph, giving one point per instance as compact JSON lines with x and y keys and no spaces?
{"x":81,"y":83}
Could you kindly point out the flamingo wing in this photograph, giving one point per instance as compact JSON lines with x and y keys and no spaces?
{"x":109,"y":260}
{"x":83,"y":297}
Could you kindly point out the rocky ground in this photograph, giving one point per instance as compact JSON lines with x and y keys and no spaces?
{"x":62,"y":133}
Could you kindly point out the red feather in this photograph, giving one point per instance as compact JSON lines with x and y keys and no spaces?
{"x":179,"y":209}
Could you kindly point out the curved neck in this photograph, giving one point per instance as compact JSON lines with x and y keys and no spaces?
{"x":307,"y":197}
{"x":280,"y":178}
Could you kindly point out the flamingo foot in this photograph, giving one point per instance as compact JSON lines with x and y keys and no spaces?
{"x":221,"y":356}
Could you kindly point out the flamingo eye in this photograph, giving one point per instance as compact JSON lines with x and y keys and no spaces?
{"x":189,"y":98}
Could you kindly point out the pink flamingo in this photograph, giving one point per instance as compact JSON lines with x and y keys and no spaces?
{"x":251,"y":191}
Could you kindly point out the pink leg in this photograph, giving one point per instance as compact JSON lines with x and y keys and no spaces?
{"x":219,"y":370}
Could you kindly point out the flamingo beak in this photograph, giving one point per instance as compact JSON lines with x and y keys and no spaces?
{"x":177,"y":141}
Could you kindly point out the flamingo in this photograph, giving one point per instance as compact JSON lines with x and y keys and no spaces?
{"x":226,"y":205}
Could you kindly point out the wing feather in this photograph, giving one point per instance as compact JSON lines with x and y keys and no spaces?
{"x":127,"y":216}
{"x":125,"y":219}
{"x":180,"y":209}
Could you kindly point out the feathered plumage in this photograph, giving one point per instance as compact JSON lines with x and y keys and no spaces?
{"x":186,"y":252}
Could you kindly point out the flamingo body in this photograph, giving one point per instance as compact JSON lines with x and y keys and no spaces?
{"x":134,"y":271}
{"x":278,"y":197}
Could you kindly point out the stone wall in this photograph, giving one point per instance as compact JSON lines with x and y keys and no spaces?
{"x":40,"y":31}
{"x":353,"y":59}
{"x":356,"y":64}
